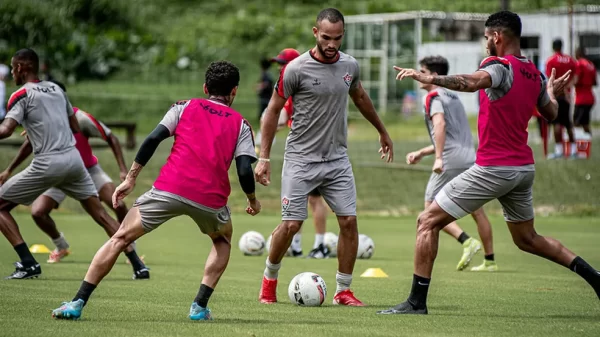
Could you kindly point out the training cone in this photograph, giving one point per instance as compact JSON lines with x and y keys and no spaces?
{"x":39,"y":249}
{"x":374,"y":272}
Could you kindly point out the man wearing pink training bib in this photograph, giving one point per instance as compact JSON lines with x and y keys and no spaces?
{"x":510,"y":87}
{"x":194,"y":181}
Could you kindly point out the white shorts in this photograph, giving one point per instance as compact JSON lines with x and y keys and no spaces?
{"x":99,"y":177}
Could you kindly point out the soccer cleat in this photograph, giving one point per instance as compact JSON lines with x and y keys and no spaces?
{"x":404,"y":308}
{"x":58,"y":254}
{"x":294,"y":253}
{"x":346,"y":297}
{"x":198,"y":313}
{"x":21,"y":272}
{"x":69,"y":310}
{"x":486,"y":266}
{"x":321,"y":252}
{"x":142,"y":274}
{"x":470,"y":248}
{"x":268,"y":291}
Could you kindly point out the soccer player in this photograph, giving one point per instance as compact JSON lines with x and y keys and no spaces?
{"x":450,"y":134}
{"x":562,"y":63}
{"x":315,"y":200}
{"x":584,"y":96}
{"x":319,"y":81}
{"x":51,"y":126}
{"x":53,"y":197}
{"x":209,"y":135}
{"x":509,"y":87}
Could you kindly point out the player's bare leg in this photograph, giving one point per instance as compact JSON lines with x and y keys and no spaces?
{"x":95,"y":209}
{"x":280,"y":242}
{"x":28,"y":266}
{"x":346,"y":251}
{"x":528,"y":240}
{"x":470,"y":245}
{"x":319,"y":208}
{"x":484,"y":227}
{"x":215,"y":266}
{"x":40,"y":212}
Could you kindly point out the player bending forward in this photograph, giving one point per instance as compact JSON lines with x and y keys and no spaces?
{"x":319,"y":82}
{"x":193,"y":182}
{"x":450,"y":134}
{"x":510,"y":86}
{"x":48,"y":118}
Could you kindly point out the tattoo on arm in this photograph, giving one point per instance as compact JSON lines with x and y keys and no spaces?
{"x":456,"y":82}
{"x":134,"y":171}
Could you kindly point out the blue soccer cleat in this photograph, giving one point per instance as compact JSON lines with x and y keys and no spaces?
{"x":69,"y":310}
{"x":198,"y":313}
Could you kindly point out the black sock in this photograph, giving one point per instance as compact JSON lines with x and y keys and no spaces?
{"x":25,"y":255}
{"x":136,"y":263}
{"x":85,"y":290}
{"x":418,"y":292}
{"x":203,"y":295}
{"x":489,"y":257}
{"x":586,"y":271}
{"x":463,"y":237}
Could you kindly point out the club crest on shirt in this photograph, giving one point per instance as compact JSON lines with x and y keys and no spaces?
{"x":347,"y":79}
{"x":285,"y":204}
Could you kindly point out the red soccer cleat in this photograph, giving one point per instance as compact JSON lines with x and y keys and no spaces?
{"x":346,"y":297}
{"x":268,"y":291}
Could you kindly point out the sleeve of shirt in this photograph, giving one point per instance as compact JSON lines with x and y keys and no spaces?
{"x":70,"y":111}
{"x":171,"y":118}
{"x":91,"y":127}
{"x":436,"y":107}
{"x":498,"y":68}
{"x":245,"y":142}
{"x":289,"y":80}
{"x":355,"y":77}
{"x":17,"y":104}
{"x":543,"y":98}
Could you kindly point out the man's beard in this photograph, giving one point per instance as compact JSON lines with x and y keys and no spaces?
{"x":323,"y":53}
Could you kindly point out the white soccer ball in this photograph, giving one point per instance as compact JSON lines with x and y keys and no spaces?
{"x":366,"y":247}
{"x":288,"y":253}
{"x":307,"y":290}
{"x":331,"y":241}
{"x":252,"y":243}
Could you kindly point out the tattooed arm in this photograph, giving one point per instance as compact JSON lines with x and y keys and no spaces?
{"x":466,"y":83}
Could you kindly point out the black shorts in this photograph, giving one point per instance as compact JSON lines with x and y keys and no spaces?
{"x":563,"y":118}
{"x":315,"y":193}
{"x":582,"y":114}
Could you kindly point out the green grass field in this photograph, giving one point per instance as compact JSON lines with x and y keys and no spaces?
{"x":527,"y":297}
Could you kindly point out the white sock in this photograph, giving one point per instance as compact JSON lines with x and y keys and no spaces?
{"x":272,"y":270}
{"x":61,"y":243}
{"x":319,"y":239}
{"x":342,"y":281}
{"x":573,"y":148}
{"x":297,"y":242}
{"x":558,"y":149}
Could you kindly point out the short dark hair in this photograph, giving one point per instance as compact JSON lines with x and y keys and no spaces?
{"x":436,"y":64}
{"x":27,"y":55}
{"x":557,"y":45}
{"x":506,"y":21}
{"x":221,"y":77}
{"x":332,"y":15}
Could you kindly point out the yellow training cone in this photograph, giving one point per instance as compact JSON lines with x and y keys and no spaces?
{"x":40,"y":249}
{"x":374,"y":272}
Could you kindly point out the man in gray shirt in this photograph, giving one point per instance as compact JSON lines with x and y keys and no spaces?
{"x":319,"y":81}
{"x":452,"y":144}
{"x":46,"y":114}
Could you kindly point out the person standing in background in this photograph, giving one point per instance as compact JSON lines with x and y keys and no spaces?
{"x":264,"y":88}
{"x":584,"y":94}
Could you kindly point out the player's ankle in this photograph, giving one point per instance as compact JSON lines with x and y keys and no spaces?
{"x":272,"y":270}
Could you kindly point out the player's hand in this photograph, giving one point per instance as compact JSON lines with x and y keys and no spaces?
{"x":254,"y":207}
{"x":4,"y":177}
{"x":408,"y":73}
{"x":413,"y":157}
{"x":387,"y":147}
{"x":438,"y":166}
{"x":262,"y":172}
{"x":123,"y":176}
{"x":556,"y":86}
{"x":122,"y":191}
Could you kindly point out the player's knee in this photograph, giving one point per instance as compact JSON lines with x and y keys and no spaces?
{"x":348,"y":224}
{"x":38,"y":213}
{"x":424,"y":222}
{"x":291,"y":227}
{"x":525,"y":241}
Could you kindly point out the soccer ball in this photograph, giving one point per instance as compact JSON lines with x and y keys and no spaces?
{"x":330,"y":241}
{"x":307,"y":290}
{"x":252,"y":243}
{"x":288,"y":253}
{"x":366,"y":247}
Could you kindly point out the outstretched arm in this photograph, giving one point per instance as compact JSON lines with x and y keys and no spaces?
{"x":466,"y":83}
